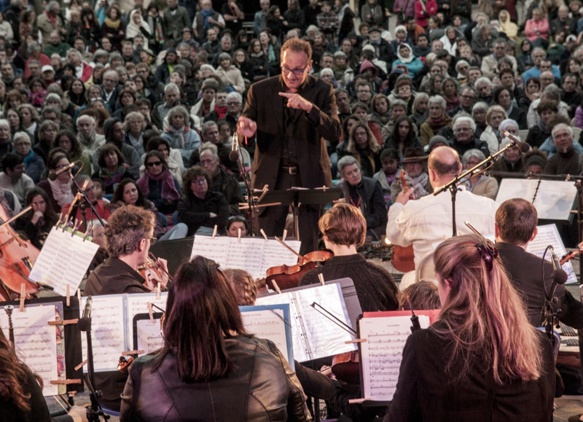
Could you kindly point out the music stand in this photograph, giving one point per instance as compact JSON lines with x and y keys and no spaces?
{"x":297,"y":197}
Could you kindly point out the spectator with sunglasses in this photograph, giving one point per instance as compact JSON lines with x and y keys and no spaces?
{"x":157,"y":183}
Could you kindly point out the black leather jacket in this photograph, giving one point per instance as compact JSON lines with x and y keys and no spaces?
{"x":261,"y":387}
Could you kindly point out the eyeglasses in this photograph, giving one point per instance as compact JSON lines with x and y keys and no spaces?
{"x":154,"y":163}
{"x":199,"y":182}
{"x":151,"y":239}
{"x":463,"y":129}
{"x":233,"y":103}
{"x":297,"y":71}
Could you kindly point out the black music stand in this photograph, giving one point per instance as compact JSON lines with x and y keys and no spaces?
{"x":297,"y":197}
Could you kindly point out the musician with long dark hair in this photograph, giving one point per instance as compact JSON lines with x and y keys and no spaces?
{"x":209,"y":359}
{"x":21,"y":397}
{"x":482,"y":360}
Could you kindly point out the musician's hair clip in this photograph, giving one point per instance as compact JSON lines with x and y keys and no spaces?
{"x":488,"y":254}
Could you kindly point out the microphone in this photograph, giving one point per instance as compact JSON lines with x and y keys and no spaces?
{"x":88,"y":306}
{"x":53,"y":176}
{"x":559,"y":275}
{"x":84,"y":322}
{"x":522,"y":146}
{"x":234,"y":153}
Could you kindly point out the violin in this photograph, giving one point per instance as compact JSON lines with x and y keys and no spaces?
{"x":154,"y":274}
{"x":403,"y":256}
{"x":345,"y":367}
{"x":289,"y":276}
{"x":570,"y":256}
{"x":16,"y":259}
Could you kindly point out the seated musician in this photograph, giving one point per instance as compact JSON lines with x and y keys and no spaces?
{"x":21,"y":397}
{"x":343,"y":229}
{"x":219,"y":373}
{"x":481,"y":360}
{"x":516,"y":221}
{"x":129,"y":235}
{"x":427,"y":221}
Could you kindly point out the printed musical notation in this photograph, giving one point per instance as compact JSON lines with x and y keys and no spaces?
{"x":314,"y":335}
{"x":63,"y":261}
{"x":36,"y":342}
{"x":270,"y":322}
{"x":253,"y":254}
{"x":138,"y":304}
{"x":382,"y":353}
{"x":107,"y":331}
{"x":548,"y":234}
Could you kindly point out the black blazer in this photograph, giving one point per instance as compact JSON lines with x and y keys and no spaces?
{"x":266,"y":107}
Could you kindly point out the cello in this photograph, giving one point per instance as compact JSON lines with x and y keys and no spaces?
{"x":403,"y":256}
{"x":16,"y":259}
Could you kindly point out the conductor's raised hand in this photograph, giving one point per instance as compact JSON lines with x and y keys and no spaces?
{"x":296,"y":101}
{"x":246,"y":127}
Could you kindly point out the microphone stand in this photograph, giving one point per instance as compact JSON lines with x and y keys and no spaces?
{"x":251,"y":205}
{"x":94,"y":411}
{"x":474,"y":171}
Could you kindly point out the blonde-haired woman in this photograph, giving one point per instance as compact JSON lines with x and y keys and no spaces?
{"x":481,"y":360}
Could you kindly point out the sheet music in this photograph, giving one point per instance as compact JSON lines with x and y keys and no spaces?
{"x":215,"y":248}
{"x":554,"y":199}
{"x":107,"y":331}
{"x":269,"y":324}
{"x":314,"y":335}
{"x":36,"y":343}
{"x":138,"y":304}
{"x":149,"y":336}
{"x":63,"y":261}
{"x":548,"y":234}
{"x":382,"y":353}
{"x":252,"y":254}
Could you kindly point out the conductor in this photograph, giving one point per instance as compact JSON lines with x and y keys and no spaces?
{"x":291,"y":115}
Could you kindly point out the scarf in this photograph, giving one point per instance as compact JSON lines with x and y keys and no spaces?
{"x":221,"y":112}
{"x":111,"y":23}
{"x":418,"y":184}
{"x":61,"y":192}
{"x":29,"y":158}
{"x":169,"y":191}
{"x":110,"y":178}
{"x":206,"y":14}
{"x":438,"y":123}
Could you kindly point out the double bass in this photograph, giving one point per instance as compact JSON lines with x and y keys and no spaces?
{"x":17,"y":257}
{"x":403,"y":256}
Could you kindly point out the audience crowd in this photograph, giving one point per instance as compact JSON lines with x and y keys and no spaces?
{"x":129,"y":90}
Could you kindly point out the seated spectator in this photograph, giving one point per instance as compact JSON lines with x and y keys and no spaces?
{"x":112,"y":168}
{"x":479,"y":184}
{"x":178,"y":133}
{"x":363,"y":146}
{"x":492,"y":135}
{"x":158,"y":185}
{"x":437,"y":119}
{"x":172,"y":156}
{"x":13,"y":177}
{"x":34,"y":166}
{"x":389,"y":173}
{"x":58,"y":190}
{"x":464,"y":136}
{"x":201,"y":209}
{"x":416,"y":175}
{"x":222,"y":180}
{"x":567,"y":160}
{"x":128,"y":192}
{"x":67,"y":141}
{"x":537,"y":29}
{"x":407,"y":59}
{"x":37,"y":223}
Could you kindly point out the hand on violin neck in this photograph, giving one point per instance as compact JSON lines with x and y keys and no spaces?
{"x":404,"y":196}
